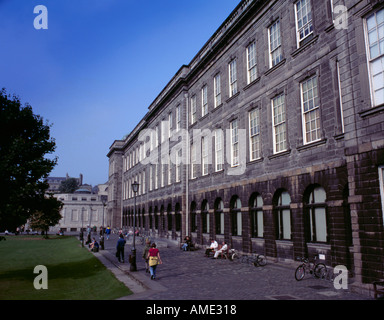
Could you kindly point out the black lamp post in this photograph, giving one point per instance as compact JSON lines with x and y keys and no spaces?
{"x":82,"y":230}
{"x":135,"y":189}
{"x":104,"y":201}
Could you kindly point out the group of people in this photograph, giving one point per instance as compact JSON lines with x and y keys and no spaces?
{"x":151,"y":255}
{"x":93,"y":244}
{"x":214,"y":248}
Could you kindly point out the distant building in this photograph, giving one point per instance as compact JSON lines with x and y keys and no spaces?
{"x":82,"y":209}
{"x":55,"y":182}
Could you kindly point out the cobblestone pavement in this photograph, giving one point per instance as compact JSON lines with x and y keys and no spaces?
{"x":191,"y":276}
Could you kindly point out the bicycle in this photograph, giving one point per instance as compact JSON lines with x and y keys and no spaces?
{"x":318,"y":270}
{"x":255,"y":259}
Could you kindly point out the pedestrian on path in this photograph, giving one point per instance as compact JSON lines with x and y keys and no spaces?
{"x":120,"y":248}
{"x":108,"y":232}
{"x":154,"y":259}
{"x":145,"y":254}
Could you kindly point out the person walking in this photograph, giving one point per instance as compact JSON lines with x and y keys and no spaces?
{"x":120,"y":248}
{"x":108,"y":232}
{"x":154,"y":259}
{"x":145,"y":254}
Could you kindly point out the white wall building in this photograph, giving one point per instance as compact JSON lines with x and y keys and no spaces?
{"x":82,"y":209}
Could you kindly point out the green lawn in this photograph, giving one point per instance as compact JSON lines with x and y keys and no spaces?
{"x":73,"y":272}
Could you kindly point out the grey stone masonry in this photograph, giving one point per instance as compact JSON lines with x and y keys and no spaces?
{"x":271,"y":139}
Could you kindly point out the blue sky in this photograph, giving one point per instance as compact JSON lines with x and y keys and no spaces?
{"x":93,"y":73}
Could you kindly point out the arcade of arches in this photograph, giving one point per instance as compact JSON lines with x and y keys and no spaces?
{"x":281,"y":225}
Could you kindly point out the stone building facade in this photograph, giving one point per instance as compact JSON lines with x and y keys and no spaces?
{"x":271,"y":138}
{"x":81,"y":210}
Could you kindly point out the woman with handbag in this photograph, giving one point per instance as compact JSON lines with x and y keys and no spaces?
{"x":153,"y":260}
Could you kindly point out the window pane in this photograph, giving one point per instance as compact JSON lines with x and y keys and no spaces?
{"x":222,"y":223}
{"x":235,"y":144}
{"x":278,"y":109}
{"x":304,"y":18}
{"x":285,"y":199}
{"x":238,"y":203}
{"x":275,"y":44}
{"x":377,"y":71}
{"x":375,"y":47}
{"x":259,"y":201}
{"x":260,"y":224}
{"x":321,"y":225}
{"x":232,"y":78}
{"x":286,"y":224}
{"x":319,"y":195}
{"x":371,"y":22}
{"x":217,"y":84}
{"x":239,"y":224}
{"x":311,"y":112}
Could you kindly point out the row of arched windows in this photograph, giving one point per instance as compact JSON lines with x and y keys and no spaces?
{"x":315,"y":208}
{"x":220,"y":221}
{"x":155,"y":220}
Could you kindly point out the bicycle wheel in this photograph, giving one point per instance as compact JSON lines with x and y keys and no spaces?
{"x":261,"y":260}
{"x":300,"y":273}
{"x":320,"y":271}
{"x":234,"y":257}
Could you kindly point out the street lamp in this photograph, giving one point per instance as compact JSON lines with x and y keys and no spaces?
{"x":135,"y":189}
{"x":104,"y":201}
{"x":82,"y":229}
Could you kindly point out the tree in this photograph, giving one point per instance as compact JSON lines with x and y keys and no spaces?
{"x":47,"y":216}
{"x":69,"y":186}
{"x":24,"y":142}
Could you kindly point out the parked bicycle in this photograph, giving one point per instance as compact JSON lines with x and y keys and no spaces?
{"x":317,"y":269}
{"x":254,"y":259}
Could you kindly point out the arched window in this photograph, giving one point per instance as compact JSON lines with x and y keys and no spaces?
{"x":257,"y":219}
{"x":205,"y":216}
{"x":178,"y":217}
{"x":162,"y":227}
{"x":169,"y":217}
{"x":125,"y":217}
{"x":150,"y":218}
{"x":193,"y":217}
{"x":347,"y":217}
{"x":219,"y":216}
{"x":143,"y":218}
{"x":283,"y":216}
{"x":317,"y":215}
{"x":156,"y":218}
{"x":236,"y":223}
